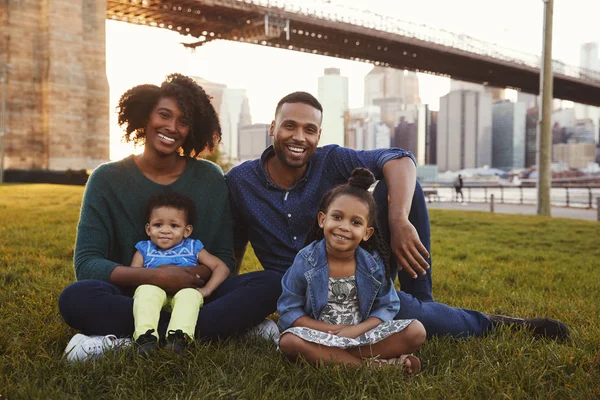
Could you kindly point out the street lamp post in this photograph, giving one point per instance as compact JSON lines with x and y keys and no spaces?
{"x":3,"y":72}
{"x":544,"y":141}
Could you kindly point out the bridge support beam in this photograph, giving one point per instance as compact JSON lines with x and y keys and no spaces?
{"x":57,"y":98}
{"x":544,"y":142}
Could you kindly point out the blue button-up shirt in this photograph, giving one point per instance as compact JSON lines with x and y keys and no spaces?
{"x":276,"y":220}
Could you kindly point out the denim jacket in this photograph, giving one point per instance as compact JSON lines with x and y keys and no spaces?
{"x":305,"y":286}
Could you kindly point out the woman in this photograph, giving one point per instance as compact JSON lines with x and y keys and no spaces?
{"x":175,"y":122}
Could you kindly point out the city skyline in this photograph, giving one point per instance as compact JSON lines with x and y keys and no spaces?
{"x":137,"y":54}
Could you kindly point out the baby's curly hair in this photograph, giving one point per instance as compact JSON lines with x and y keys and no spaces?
{"x":174,"y":200}
{"x":137,"y":103}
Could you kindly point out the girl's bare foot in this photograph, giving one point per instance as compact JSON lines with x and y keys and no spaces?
{"x":410,"y":363}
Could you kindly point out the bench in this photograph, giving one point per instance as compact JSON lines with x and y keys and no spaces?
{"x":429,"y":193}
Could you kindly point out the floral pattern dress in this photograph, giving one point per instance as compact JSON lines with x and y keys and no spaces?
{"x":343,"y":308}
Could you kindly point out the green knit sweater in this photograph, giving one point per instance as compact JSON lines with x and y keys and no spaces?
{"x":112,"y":220}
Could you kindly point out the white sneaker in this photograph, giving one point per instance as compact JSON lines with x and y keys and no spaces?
{"x":83,"y":348}
{"x":267,"y":329}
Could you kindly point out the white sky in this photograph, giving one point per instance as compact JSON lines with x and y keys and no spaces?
{"x":139,"y":54}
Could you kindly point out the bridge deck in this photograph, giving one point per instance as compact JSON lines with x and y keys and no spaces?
{"x":245,"y":21}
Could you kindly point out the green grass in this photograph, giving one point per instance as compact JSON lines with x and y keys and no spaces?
{"x":517,"y":265}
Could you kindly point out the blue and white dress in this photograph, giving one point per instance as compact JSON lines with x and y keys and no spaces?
{"x":343,"y":307}
{"x":185,"y":254}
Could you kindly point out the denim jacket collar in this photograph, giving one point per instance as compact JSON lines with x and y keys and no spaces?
{"x":365,"y":261}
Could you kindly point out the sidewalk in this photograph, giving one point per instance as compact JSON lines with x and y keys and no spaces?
{"x":530,"y":209}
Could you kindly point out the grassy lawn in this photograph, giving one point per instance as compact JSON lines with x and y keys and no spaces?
{"x":516,"y":265}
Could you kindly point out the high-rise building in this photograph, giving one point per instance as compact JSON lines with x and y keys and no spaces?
{"x":531,"y":126}
{"x":431,"y":143}
{"x":464,"y":130}
{"x":589,"y":61}
{"x":232,"y":107}
{"x":390,"y":106}
{"x":530,"y":100}
{"x":391,"y":90}
{"x":383,"y":83}
{"x":333,"y":95}
{"x":413,"y":130}
{"x":382,"y":135}
{"x":583,"y":132}
{"x":563,"y":123}
{"x":239,"y":114}
{"x":495,"y":92}
{"x":508,"y":135}
{"x":254,"y":139}
{"x":411,"y":85}
{"x":576,"y":155}
{"x":361,"y":127}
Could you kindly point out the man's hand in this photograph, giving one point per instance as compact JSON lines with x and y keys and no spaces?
{"x":411,"y":254}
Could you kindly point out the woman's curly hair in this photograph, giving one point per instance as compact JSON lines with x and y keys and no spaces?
{"x":137,"y":103}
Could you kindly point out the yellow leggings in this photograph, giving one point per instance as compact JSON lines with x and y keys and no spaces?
{"x":148,"y":300}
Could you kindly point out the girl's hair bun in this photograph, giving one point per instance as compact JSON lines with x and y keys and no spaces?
{"x":361,"y":178}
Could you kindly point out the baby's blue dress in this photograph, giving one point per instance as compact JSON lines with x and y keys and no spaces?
{"x":185,"y":254}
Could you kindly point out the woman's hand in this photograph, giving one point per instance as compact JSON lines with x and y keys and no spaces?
{"x":201,"y":271}
{"x":172,"y":278}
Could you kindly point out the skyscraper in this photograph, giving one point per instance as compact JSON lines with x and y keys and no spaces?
{"x":254,"y":139}
{"x":413,"y":130}
{"x":508,"y":135}
{"x":576,"y":155}
{"x":464,"y":130}
{"x":232,"y":107}
{"x":239,"y":114}
{"x":384,"y":83}
{"x":589,"y":60}
{"x":530,"y":100}
{"x":494,"y":92}
{"x":431,"y":143}
{"x":362,"y":126}
{"x":531,"y":125}
{"x":333,"y":95}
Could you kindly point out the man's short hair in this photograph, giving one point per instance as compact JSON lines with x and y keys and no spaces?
{"x":300,"y":97}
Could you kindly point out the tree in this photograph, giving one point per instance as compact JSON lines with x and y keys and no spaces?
{"x":219,"y":158}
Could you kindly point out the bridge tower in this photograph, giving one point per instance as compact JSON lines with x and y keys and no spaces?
{"x":57,"y":92}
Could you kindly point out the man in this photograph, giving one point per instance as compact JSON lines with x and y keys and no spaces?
{"x":274,"y":200}
{"x":458,"y":185}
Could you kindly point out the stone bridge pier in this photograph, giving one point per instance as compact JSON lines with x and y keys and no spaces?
{"x":57,"y":99}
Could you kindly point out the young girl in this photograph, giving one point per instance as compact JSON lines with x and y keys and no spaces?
{"x":338,"y":302}
{"x":170,"y":216}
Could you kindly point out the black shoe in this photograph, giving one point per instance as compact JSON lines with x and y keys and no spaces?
{"x":147,"y":343}
{"x":177,"y":341}
{"x":545,"y":327}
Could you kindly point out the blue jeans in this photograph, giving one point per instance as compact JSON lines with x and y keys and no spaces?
{"x":416,"y":300}
{"x":101,"y":308}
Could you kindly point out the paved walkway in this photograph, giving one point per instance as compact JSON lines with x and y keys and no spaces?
{"x":558,"y":212}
